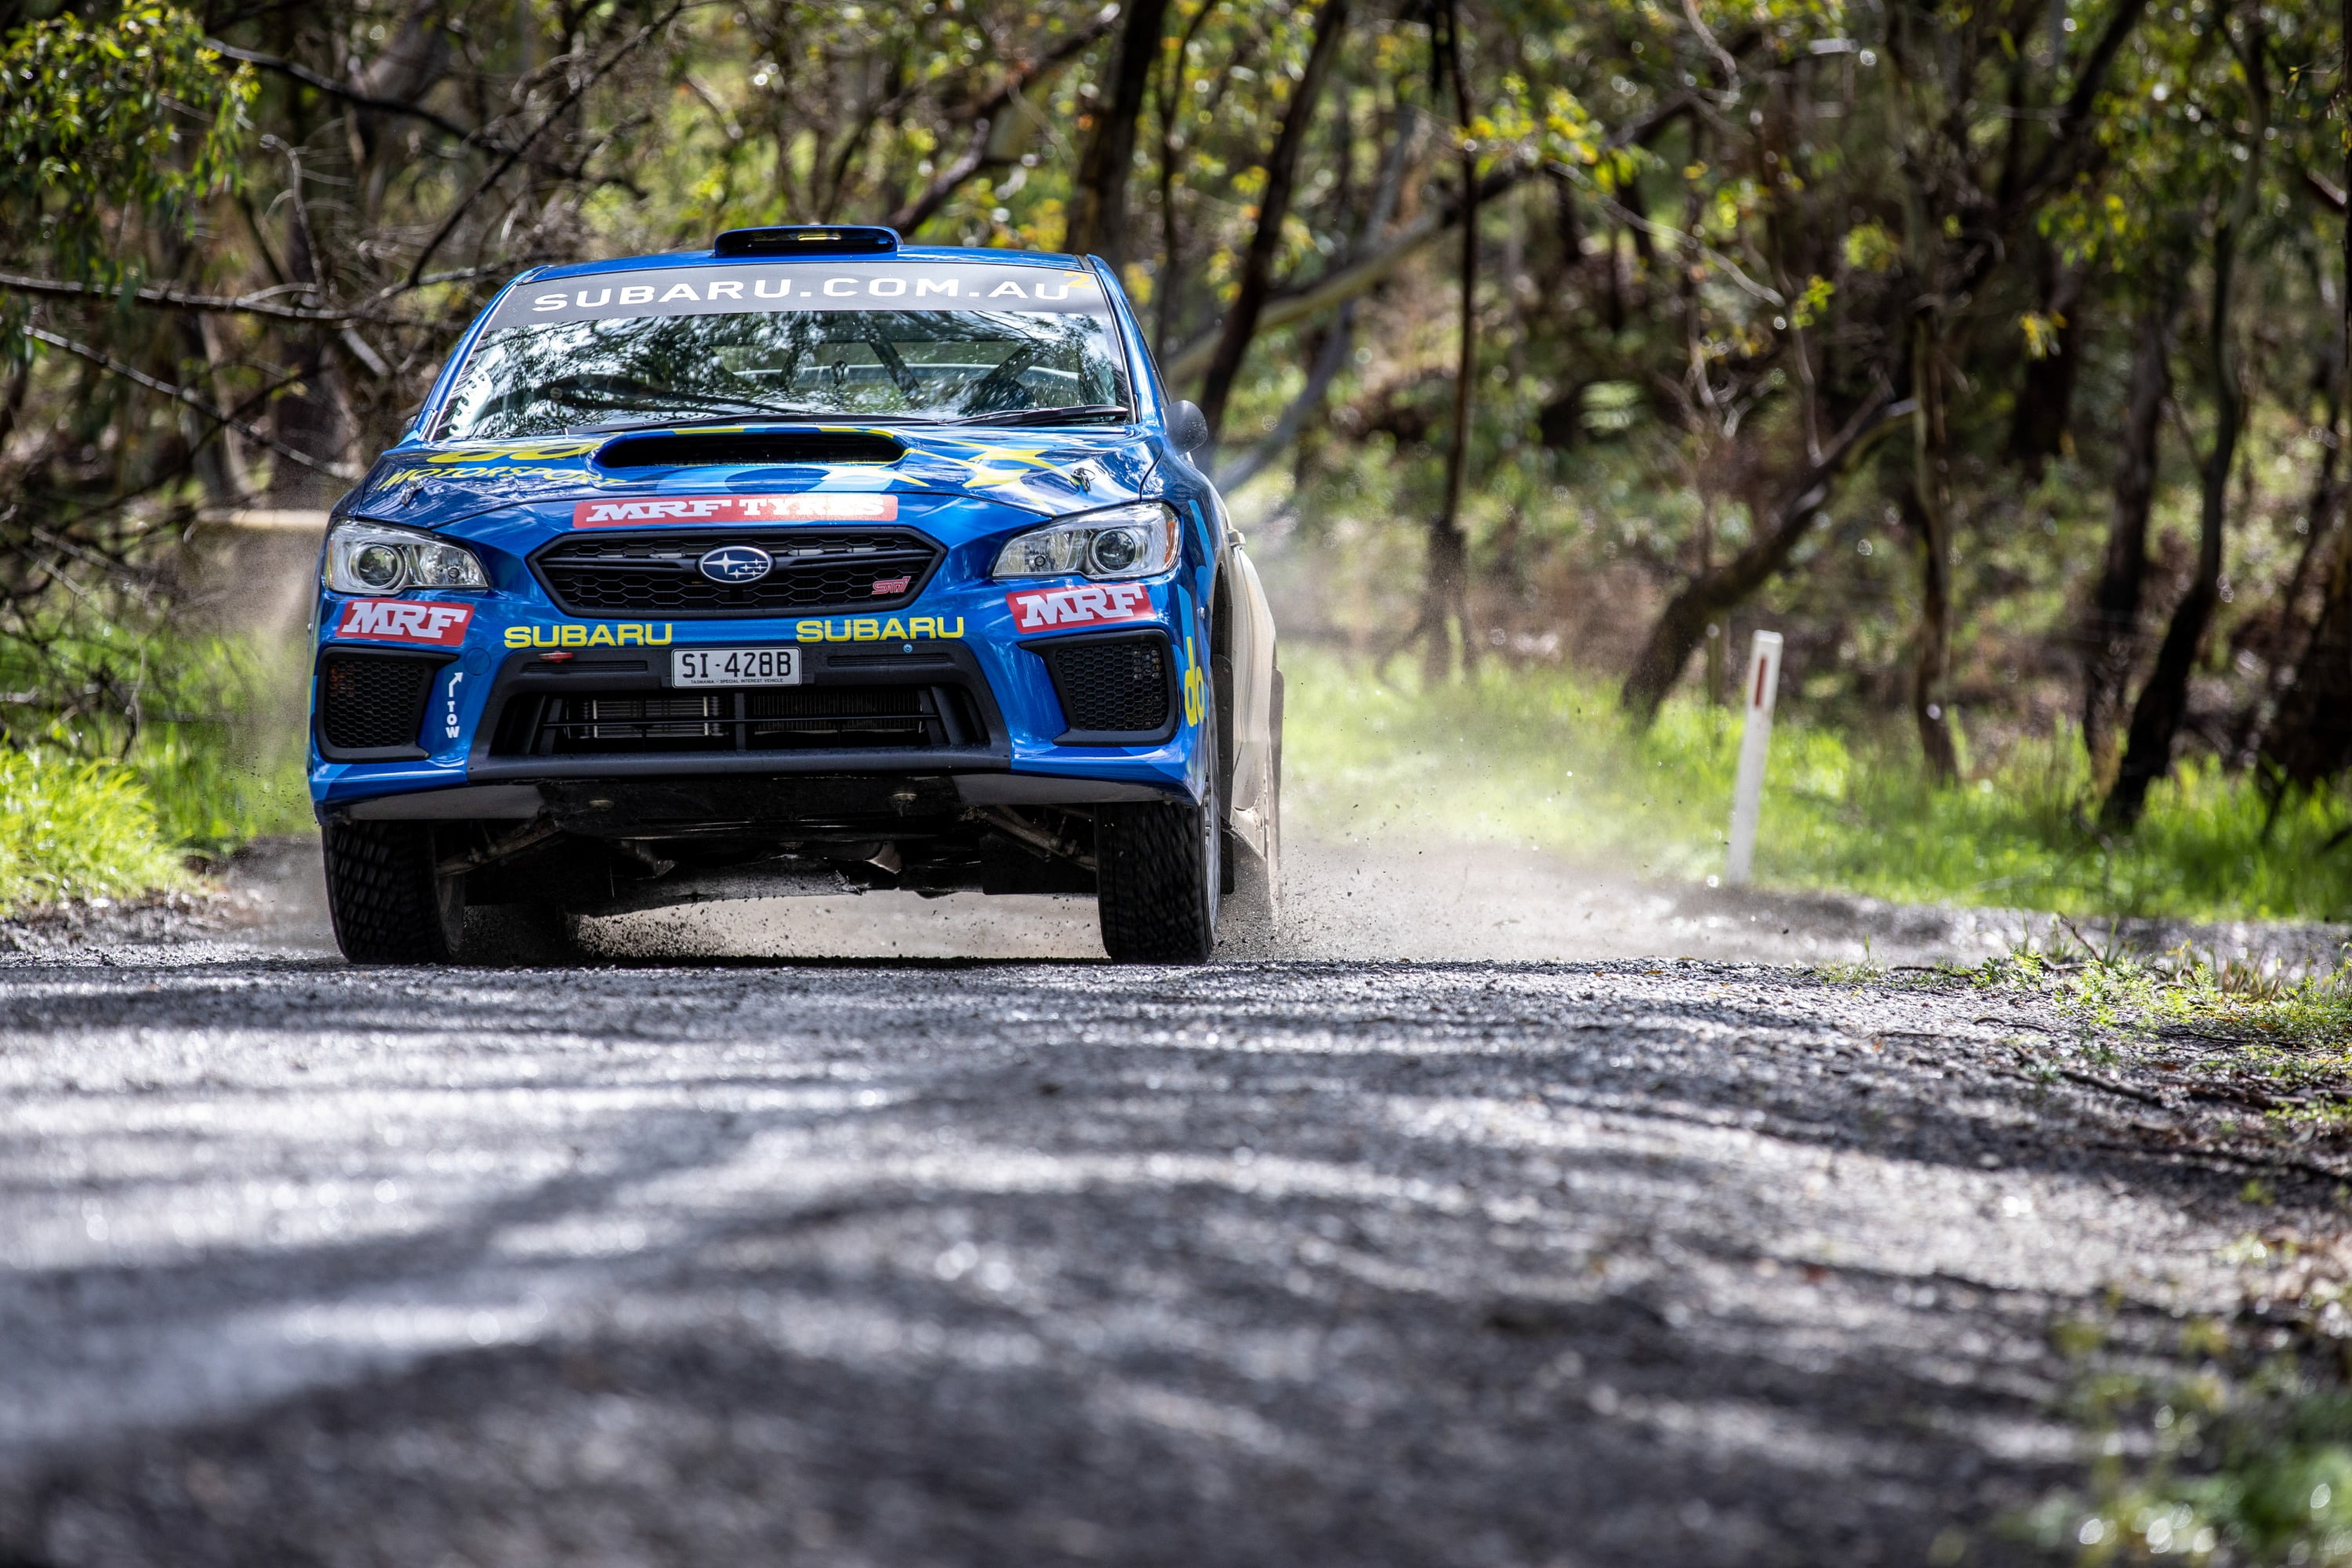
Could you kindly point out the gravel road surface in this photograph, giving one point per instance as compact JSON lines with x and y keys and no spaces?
{"x":1565,"y":1260}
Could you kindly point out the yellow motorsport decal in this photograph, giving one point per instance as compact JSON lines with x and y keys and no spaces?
{"x":541,"y":452}
{"x":987,"y":464}
{"x":625,"y":634}
{"x":1195,"y":687}
{"x":871,"y":629}
{"x":480,"y":471}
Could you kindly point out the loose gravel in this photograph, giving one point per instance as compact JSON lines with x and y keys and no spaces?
{"x":832,"y":1262}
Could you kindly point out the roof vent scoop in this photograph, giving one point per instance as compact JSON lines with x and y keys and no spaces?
{"x":838,"y":239}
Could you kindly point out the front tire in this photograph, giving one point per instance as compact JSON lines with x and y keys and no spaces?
{"x":388,"y":903}
{"x":1157,"y":872}
{"x":392,"y":905}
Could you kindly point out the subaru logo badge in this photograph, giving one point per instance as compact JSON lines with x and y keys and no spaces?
{"x":737,"y":564}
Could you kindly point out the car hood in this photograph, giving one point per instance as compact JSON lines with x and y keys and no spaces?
{"x":1043,"y":471}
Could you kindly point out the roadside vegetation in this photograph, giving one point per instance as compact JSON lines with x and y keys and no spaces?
{"x":181,"y":750}
{"x":2242,"y":1460}
{"x":1541,"y":756}
{"x":77,"y":828}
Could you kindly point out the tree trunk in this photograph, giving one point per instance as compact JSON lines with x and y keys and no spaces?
{"x":1273,"y":208}
{"x":1931,"y":505}
{"x":1446,"y":610}
{"x":1097,"y":223}
{"x":1682,"y":624}
{"x":2046,"y":399}
{"x":2111,"y":633}
{"x":2163,"y":701}
{"x":2310,"y":741}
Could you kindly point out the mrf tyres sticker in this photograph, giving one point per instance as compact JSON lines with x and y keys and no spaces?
{"x":405,"y":620}
{"x":1097,"y":604}
{"x":806,"y":507}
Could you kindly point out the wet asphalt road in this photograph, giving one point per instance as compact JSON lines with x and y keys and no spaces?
{"x":1307,"y":1262}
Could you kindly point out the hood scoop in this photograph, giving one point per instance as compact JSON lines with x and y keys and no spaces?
{"x":742,"y":448}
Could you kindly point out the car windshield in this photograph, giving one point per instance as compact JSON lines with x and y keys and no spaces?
{"x":822,"y":349}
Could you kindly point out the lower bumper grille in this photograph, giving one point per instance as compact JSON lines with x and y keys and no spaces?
{"x":373,"y":702}
{"x":887,"y":718}
{"x":1114,"y":690}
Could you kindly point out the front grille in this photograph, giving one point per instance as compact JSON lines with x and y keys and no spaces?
{"x":816,"y":570}
{"x":370,"y":702}
{"x":767,"y":720}
{"x":743,"y":448}
{"x":1113,"y":685}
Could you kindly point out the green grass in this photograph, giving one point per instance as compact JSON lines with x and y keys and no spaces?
{"x":2286,"y":1027}
{"x":222,"y":751}
{"x":2252,"y":1469}
{"x":72,"y":829}
{"x":92,"y":807}
{"x":1541,"y":758}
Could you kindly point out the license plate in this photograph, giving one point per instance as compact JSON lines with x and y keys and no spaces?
{"x":735,"y":667}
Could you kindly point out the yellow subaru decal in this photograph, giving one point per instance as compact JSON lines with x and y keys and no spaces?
{"x":875,"y":629}
{"x":623,"y":634}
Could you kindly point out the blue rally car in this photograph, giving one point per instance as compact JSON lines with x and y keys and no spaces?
{"x":810,"y":563}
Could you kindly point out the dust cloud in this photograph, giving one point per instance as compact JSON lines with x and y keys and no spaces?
{"x":1387,"y":901}
{"x":1377,"y":902}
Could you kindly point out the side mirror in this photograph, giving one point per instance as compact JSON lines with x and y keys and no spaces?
{"x":1188,"y":427}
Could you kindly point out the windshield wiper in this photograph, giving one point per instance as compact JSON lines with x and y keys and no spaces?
{"x":1069,"y":414}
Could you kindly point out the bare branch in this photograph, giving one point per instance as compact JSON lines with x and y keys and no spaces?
{"x":514,"y":154}
{"x":920,"y":209}
{"x":1344,"y":283}
{"x":181,"y":395}
{"x":357,"y":99}
{"x":257,"y":304}
{"x":240,"y":304}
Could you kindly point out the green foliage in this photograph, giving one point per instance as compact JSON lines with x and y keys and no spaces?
{"x":222,"y":751}
{"x":2113,"y":991}
{"x":1543,"y":759}
{"x":135,"y":111}
{"x":71,"y":828}
{"x":2253,"y":1471}
{"x":204,"y":729}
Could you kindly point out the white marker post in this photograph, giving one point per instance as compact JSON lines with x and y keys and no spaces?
{"x":1755,"y":741}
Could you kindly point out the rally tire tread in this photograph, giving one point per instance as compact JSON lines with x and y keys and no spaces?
{"x":1149,"y":872}
{"x":380,"y":892}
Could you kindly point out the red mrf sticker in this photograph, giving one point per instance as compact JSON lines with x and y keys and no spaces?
{"x":1050,"y":609}
{"x":405,"y":620}
{"x":735,"y":509}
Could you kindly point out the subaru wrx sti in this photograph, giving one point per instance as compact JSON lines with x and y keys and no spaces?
{"x":811,"y":563}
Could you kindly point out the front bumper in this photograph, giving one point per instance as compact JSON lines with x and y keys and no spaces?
{"x":1013,"y":745}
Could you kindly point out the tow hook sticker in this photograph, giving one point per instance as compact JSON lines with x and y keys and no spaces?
{"x":405,"y":620}
{"x":449,"y":726}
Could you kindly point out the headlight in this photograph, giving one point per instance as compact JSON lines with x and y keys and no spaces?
{"x":376,"y":558}
{"x":1137,"y":541}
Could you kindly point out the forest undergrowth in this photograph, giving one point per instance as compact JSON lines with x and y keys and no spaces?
{"x":95,"y":806}
{"x":1541,"y":757}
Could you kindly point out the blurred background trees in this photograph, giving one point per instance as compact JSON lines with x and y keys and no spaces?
{"x":1994,"y":353}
